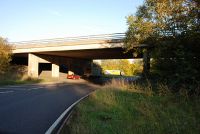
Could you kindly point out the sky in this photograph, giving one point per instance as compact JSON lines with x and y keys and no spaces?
{"x":23,"y":20}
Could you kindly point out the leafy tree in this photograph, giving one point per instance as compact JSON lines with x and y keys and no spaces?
{"x":5,"y":55}
{"x":173,"y":27}
{"x":159,"y":19}
{"x":137,"y":67}
{"x":124,"y":65}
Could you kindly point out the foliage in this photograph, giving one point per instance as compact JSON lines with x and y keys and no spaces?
{"x":137,"y":66}
{"x":17,"y":74}
{"x":5,"y":55}
{"x":19,"y":82}
{"x":124,"y":65}
{"x":173,"y":27}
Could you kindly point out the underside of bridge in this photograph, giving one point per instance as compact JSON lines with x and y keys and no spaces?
{"x":75,"y":61}
{"x":108,"y":53}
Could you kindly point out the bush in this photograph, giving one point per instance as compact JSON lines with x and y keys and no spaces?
{"x":5,"y":55}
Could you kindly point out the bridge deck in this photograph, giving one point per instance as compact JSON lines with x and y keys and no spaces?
{"x":92,"y":47}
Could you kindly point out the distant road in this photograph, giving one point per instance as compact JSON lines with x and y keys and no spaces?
{"x":32,"y":109}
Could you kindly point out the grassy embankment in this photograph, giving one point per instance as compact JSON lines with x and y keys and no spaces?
{"x":27,"y":81}
{"x":17,"y":82}
{"x":121,"y":109}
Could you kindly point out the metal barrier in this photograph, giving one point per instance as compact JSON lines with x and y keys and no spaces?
{"x":115,"y":36}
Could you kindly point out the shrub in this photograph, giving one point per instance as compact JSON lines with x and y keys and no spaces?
{"x":5,"y":55}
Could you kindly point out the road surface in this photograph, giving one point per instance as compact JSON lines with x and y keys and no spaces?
{"x":32,"y":109}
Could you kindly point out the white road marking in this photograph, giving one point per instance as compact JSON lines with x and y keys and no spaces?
{"x":4,"y":92}
{"x":4,"y":88}
{"x":17,"y":88}
{"x":35,"y":88}
{"x":20,"y":89}
{"x":13,"y":88}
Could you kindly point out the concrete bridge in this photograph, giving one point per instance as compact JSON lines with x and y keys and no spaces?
{"x":74,"y":53}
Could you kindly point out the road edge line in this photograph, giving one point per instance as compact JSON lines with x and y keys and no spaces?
{"x":55,"y":125}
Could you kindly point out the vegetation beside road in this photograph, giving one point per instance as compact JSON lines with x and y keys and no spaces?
{"x":129,"y":69}
{"x":119,"y":108}
{"x":17,"y":82}
{"x":5,"y":55}
{"x":17,"y":74}
{"x":28,"y":80}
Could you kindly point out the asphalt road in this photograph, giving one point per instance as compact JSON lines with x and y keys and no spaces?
{"x":32,"y":109}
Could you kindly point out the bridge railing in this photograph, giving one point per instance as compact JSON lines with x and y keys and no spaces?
{"x":115,"y":36}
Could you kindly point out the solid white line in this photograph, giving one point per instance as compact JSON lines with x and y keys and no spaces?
{"x":6,"y":92}
{"x":53,"y":126}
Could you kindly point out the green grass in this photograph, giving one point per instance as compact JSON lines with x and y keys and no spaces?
{"x":18,"y":74}
{"x":17,"y":82}
{"x":27,"y":81}
{"x":135,"y":110}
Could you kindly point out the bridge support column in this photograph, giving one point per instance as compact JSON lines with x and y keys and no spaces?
{"x":32,"y":65}
{"x":146,"y":61}
{"x":55,"y":70}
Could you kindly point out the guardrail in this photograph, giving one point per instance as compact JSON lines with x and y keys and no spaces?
{"x":115,"y":36}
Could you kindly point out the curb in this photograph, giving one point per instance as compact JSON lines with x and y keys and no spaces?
{"x":58,"y":123}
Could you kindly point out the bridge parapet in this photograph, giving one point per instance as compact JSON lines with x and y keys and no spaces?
{"x":116,"y":37}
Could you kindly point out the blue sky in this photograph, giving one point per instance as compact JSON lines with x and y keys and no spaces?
{"x":41,"y":19}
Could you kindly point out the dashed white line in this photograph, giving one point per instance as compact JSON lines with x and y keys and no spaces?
{"x":35,"y":88}
{"x":6,"y":92}
{"x":7,"y":87}
{"x":22,"y":89}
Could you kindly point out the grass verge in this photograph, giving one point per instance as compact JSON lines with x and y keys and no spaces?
{"x":27,"y":81}
{"x":121,"y":109}
{"x":17,"y":82}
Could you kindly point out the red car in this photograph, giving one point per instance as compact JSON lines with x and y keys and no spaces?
{"x":73,"y":76}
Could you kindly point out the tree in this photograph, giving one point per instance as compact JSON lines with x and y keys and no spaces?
{"x":5,"y":55}
{"x":122,"y":65}
{"x":161,"y":19}
{"x":173,"y":27}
